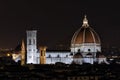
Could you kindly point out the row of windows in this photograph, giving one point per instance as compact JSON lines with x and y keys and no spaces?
{"x":30,"y":41}
{"x":31,"y":34}
{"x":31,"y":49}
{"x":58,"y":56}
{"x":87,"y":50}
{"x":42,"y":53}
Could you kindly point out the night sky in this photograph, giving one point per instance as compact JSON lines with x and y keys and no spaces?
{"x":56,"y":21}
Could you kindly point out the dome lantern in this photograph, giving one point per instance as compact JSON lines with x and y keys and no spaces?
{"x":85,"y":22}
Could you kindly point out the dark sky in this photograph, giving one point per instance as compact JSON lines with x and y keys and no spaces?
{"x":56,"y":21}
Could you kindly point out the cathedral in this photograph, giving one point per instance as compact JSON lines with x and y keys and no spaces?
{"x":85,"y":48}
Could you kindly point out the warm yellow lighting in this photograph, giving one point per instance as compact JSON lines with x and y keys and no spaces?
{"x":42,"y":55}
{"x":23,"y":53}
{"x":85,"y":22}
{"x":8,"y":54}
{"x":15,"y":56}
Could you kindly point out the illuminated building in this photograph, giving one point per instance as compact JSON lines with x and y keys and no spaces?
{"x":32,"y":55}
{"x":85,"y":39}
{"x":87,"y":42}
{"x":85,"y":46}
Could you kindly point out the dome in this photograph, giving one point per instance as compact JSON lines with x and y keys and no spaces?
{"x":85,"y":39}
{"x":85,"y":34}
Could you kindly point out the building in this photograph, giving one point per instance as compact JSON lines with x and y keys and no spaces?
{"x":86,"y":42}
{"x":32,"y":55}
{"x":85,"y":46}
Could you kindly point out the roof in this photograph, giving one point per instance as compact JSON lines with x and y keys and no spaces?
{"x":85,"y":34}
{"x":77,"y":55}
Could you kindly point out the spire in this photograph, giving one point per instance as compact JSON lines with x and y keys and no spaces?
{"x":22,"y":53}
{"x":23,"y":46}
{"x":85,"y":22}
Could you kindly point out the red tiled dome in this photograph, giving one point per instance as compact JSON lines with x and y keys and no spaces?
{"x":85,"y":34}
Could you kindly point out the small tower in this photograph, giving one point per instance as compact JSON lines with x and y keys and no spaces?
{"x":43,"y":55}
{"x":85,"y":22}
{"x":23,"y":53}
{"x":31,"y":47}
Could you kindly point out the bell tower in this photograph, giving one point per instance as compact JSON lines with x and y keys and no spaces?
{"x":31,"y":47}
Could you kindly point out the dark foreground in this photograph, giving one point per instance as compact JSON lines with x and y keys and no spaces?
{"x":60,"y":71}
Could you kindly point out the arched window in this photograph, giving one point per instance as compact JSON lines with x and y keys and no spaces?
{"x":41,"y":53}
{"x":29,"y":49}
{"x":33,"y":41}
{"x":30,"y":57}
{"x":49,"y":56}
{"x":78,"y":50}
{"x":66,"y":55}
{"x":29,"y":41}
{"x":58,"y":56}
